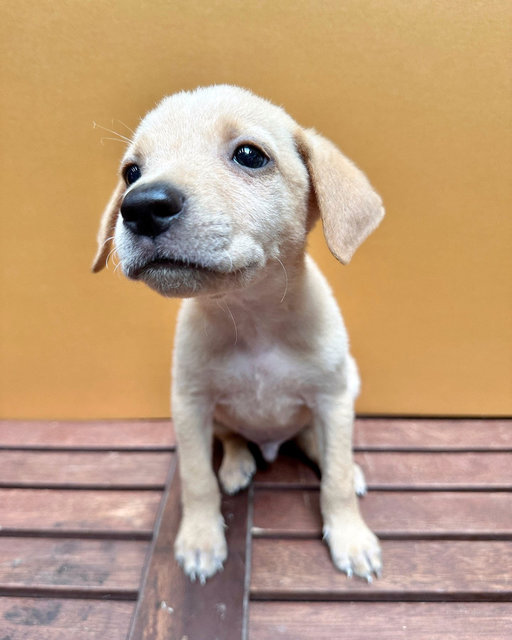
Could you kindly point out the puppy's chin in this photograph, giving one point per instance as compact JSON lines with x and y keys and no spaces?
{"x":189,"y":281}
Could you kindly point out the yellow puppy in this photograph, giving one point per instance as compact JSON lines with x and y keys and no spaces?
{"x":218,"y":190}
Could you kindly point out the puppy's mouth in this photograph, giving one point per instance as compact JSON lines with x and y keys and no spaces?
{"x":169,"y":264}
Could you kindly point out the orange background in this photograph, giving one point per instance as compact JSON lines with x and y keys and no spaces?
{"x":418,"y":94}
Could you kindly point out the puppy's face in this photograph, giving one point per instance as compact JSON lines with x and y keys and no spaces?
{"x":213,"y":188}
{"x":216,"y":184}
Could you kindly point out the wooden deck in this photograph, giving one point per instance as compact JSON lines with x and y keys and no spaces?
{"x":88,"y":513}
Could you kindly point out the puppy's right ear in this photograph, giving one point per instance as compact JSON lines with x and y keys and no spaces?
{"x":107,"y":227}
{"x":347,"y":203}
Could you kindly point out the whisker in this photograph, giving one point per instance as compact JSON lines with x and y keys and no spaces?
{"x":285,"y":280}
{"x":116,"y":133}
{"x":116,"y":139}
{"x":109,"y":239}
{"x":232,"y":318}
{"x":110,"y":253}
{"x":124,"y":125}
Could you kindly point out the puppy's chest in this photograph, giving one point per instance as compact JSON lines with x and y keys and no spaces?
{"x":260,"y":386}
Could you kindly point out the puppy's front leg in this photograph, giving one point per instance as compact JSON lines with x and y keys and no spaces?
{"x":354,"y":548}
{"x":200,"y":545}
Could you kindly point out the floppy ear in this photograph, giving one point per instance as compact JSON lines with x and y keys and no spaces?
{"x":107,"y":227}
{"x":349,"y":207}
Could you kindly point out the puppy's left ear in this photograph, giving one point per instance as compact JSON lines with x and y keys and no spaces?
{"x":348,"y":205}
{"x":107,"y":227}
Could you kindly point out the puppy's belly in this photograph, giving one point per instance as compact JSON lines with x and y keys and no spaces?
{"x":262,"y":395}
{"x":264,"y":423}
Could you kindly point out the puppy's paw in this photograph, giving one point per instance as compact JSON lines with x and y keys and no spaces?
{"x":236,"y":471}
{"x":354,"y":549}
{"x":359,"y":481}
{"x":200,"y":547}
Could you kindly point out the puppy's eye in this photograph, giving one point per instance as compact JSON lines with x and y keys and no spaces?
{"x":250,"y":156}
{"x":132,"y":174}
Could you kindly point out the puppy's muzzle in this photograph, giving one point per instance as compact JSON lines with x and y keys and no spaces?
{"x":149,"y":210}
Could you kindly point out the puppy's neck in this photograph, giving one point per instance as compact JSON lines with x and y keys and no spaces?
{"x":277,"y":285}
{"x":263,"y":307}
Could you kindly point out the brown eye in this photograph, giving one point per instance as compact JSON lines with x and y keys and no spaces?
{"x":250,"y":156}
{"x":132,"y":174}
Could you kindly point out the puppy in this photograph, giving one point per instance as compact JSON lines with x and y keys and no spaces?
{"x":218,"y":190}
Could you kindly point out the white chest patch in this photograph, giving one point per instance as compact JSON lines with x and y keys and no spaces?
{"x":262,"y":394}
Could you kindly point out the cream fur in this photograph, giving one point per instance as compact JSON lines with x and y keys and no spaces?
{"x":261,"y":351}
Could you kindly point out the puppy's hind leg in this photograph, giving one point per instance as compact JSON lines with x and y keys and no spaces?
{"x":307,"y":442}
{"x":359,"y":481}
{"x":238,"y":465}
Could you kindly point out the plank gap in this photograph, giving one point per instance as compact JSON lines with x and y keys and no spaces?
{"x":144,"y":535}
{"x":390,"y":596}
{"x":85,"y":593}
{"x":426,"y":449}
{"x":89,"y":449}
{"x":56,"y":486}
{"x":386,"y":488}
{"x":261,"y":534}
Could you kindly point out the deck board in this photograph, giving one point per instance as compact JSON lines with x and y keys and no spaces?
{"x":44,"y":563}
{"x":63,"y":619}
{"x":77,"y":511}
{"x":445,"y":471}
{"x":96,"y":469}
{"x":380,"y":434}
{"x":406,"y":470}
{"x":285,"y":513}
{"x":109,"y":435}
{"x":426,"y":570}
{"x":171,"y":606}
{"x":379,"y":621}
{"x":427,"y":434}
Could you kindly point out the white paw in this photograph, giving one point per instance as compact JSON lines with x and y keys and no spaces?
{"x":200,"y":547}
{"x":236,"y":472}
{"x":354,"y":549}
{"x":359,"y":481}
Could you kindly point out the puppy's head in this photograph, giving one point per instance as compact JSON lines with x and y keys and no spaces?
{"x":218,"y":183}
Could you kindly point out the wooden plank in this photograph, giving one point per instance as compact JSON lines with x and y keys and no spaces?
{"x":370,"y":433}
{"x":86,"y":469}
{"x":51,"y":511}
{"x":171,"y":607}
{"x":379,"y":621}
{"x":297,"y":513}
{"x":39,"y":563}
{"x":404,"y":470}
{"x":54,"y":619}
{"x":116,"y":434}
{"x":433,"y":434}
{"x":437,"y":471}
{"x":413,"y":570}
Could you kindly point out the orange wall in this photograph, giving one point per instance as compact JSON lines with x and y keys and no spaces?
{"x":418,"y":94}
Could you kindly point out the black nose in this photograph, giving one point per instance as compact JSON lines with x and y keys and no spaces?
{"x":149,"y":209}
